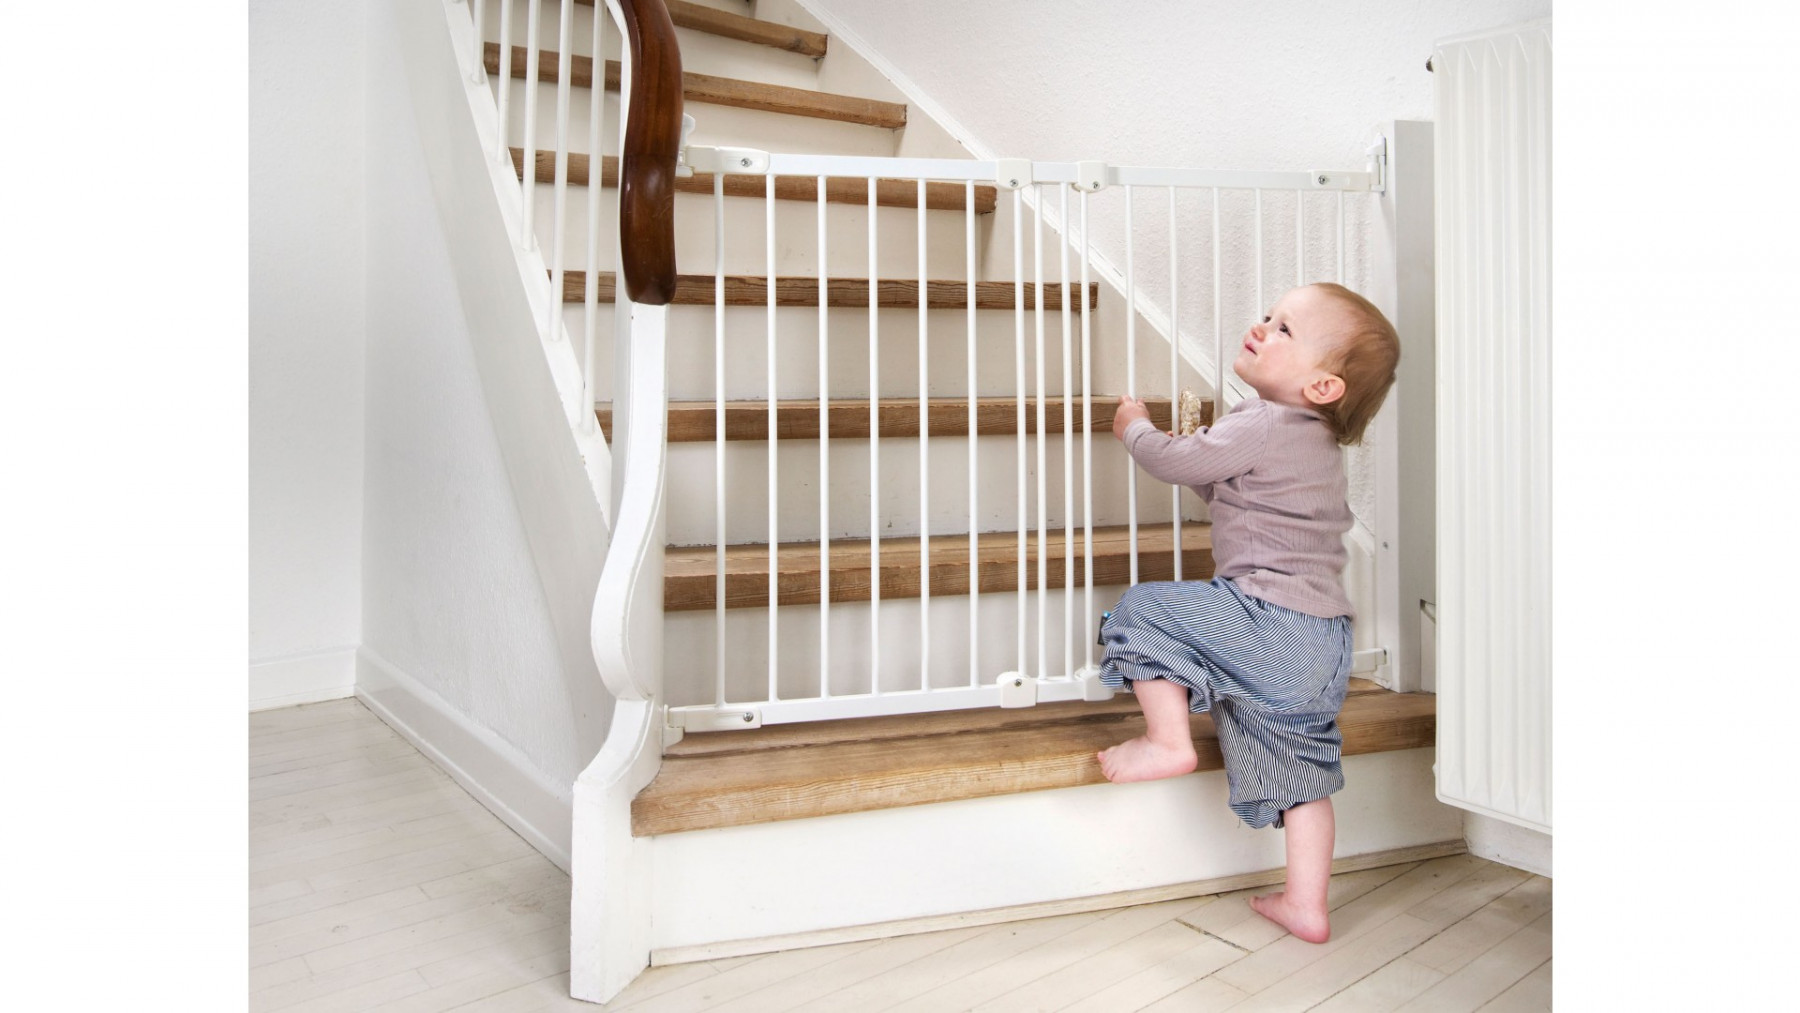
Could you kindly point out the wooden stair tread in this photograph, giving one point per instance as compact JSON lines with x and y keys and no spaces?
{"x":798,"y":419}
{"x":690,"y":574}
{"x":889,"y":193}
{"x":845,"y":293}
{"x":713,"y":21}
{"x":825,"y":768}
{"x":820,"y":733}
{"x":724,"y":91}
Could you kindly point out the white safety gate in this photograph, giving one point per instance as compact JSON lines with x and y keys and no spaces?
{"x":1040,"y":195}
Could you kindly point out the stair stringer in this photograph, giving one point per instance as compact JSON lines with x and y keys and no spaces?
{"x":868,"y":875}
{"x":558,"y":471}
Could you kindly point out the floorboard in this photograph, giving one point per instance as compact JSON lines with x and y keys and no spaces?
{"x":390,"y":889}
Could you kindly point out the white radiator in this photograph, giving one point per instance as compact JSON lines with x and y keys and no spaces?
{"x":1493,"y":416}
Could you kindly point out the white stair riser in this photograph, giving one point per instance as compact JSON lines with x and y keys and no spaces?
{"x":692,"y":341}
{"x":796,"y":231}
{"x":692,"y":513}
{"x":713,"y":125}
{"x":985,"y":855}
{"x":701,"y":52}
{"x":692,"y":644}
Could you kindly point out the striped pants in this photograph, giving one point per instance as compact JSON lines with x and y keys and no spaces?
{"x":1272,"y":678}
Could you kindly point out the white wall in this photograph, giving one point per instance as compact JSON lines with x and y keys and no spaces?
{"x":1284,"y":85}
{"x":306,"y":346}
{"x":1259,"y":86}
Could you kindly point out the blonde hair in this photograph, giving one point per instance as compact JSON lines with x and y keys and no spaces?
{"x":1365,"y":357}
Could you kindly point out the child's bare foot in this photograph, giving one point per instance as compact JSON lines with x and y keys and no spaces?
{"x":1142,"y":759}
{"x":1312,"y":926}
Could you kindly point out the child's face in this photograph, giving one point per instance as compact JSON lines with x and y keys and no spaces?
{"x":1283,"y":356}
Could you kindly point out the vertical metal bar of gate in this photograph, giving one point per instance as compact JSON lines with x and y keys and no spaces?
{"x":1131,"y":373}
{"x":1019,"y":400}
{"x":874,"y":444}
{"x":774,"y":441}
{"x":1299,"y":238}
{"x":924,"y":454}
{"x":1039,"y":395}
{"x":824,"y":453}
{"x":1175,"y":369}
{"x":718,"y":413}
{"x":1087,"y":433}
{"x":974,"y":422}
{"x":1068,"y":442}
{"x":1218,"y":296}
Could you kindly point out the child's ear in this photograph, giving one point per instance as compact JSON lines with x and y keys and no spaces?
{"x":1324,"y":389}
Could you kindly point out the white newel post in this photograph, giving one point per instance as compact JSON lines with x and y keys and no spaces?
{"x":609,"y":930}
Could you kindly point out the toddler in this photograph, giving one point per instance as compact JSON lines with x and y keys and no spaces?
{"x":1265,"y":644}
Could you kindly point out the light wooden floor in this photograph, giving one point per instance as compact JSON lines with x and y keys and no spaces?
{"x":376,"y":883}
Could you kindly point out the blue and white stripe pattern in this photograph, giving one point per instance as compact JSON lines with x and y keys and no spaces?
{"x":1274,"y":680}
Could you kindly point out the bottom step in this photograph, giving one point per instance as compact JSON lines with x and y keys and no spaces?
{"x":785,"y":772}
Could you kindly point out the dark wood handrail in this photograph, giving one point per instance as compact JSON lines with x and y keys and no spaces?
{"x":647,"y":162}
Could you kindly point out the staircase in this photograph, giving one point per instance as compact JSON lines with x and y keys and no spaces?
{"x":756,"y":824}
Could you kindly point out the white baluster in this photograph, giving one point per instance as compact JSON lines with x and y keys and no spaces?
{"x":527,"y":230}
{"x":564,"y":29}
{"x":503,"y":81}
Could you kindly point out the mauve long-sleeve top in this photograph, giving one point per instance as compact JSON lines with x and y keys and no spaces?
{"x":1273,"y":476}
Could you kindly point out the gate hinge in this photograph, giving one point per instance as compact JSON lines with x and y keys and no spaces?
{"x":711,"y":719}
{"x":1378,"y":164}
{"x":1012,"y":173}
{"x":705,"y":158}
{"x":1090,"y":177}
{"x":1092,"y":689}
{"x":1017,"y":689}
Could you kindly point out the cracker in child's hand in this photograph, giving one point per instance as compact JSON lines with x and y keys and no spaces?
{"x":1187,"y":412}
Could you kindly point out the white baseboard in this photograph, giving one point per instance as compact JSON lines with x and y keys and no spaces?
{"x":488,"y":767}
{"x":1507,"y":843}
{"x":303,"y":678}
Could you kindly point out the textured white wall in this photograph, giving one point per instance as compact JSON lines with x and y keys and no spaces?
{"x":306,"y":335}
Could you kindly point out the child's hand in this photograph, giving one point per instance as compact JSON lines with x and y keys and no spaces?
{"x":1130,"y":410}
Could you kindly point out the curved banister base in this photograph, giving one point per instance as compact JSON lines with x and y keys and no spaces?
{"x":628,"y":613}
{"x":610,"y":903}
